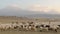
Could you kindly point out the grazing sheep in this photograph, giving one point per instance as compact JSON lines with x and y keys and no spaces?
{"x":54,"y":28}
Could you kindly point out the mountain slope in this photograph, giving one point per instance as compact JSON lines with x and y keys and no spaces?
{"x":16,"y":11}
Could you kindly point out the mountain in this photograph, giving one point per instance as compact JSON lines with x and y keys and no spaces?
{"x":13,"y":11}
{"x":16,"y":11}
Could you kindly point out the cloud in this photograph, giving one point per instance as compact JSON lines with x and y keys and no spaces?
{"x":55,"y":8}
{"x":13,"y":6}
{"x":38,"y":8}
{"x":47,"y":9}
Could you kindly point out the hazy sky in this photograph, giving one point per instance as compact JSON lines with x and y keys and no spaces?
{"x":35,"y":5}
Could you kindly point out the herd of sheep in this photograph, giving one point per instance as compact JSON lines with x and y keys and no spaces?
{"x":31,"y":26}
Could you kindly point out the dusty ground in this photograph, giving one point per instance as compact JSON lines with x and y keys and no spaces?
{"x":9,"y":19}
{"x":19,"y":32}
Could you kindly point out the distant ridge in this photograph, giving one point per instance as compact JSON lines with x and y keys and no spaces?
{"x":14,"y":11}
